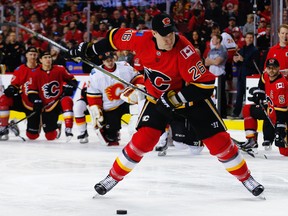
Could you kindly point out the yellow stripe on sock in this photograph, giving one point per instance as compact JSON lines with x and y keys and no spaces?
{"x":236,"y":167}
{"x":122,"y":166}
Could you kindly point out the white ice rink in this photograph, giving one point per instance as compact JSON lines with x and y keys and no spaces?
{"x":42,"y":178}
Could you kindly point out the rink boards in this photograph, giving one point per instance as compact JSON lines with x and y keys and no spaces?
{"x":82,"y":80}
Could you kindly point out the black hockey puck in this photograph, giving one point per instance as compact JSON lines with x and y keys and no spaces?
{"x":121,"y":212}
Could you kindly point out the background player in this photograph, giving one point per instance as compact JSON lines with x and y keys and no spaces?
{"x":103,"y":96}
{"x":16,"y":98}
{"x":46,"y":91}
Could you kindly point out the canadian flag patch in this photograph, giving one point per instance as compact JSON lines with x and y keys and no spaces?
{"x":187,"y":52}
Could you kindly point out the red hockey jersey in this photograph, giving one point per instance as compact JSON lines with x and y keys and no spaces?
{"x":48,"y":84}
{"x":165,"y":70}
{"x":21,"y":79}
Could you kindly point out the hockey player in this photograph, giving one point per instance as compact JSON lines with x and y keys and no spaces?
{"x":103,"y":95}
{"x":251,"y":113}
{"x":272,"y":87}
{"x":179,"y":84}
{"x":51,"y":87}
{"x":16,"y":98}
{"x":80,"y":112}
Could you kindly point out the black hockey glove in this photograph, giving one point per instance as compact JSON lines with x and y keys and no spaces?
{"x":37,"y":105}
{"x":259,"y":96}
{"x":167,"y":103}
{"x":280,"y":135}
{"x":68,"y":90}
{"x":10,"y":91}
{"x":80,"y":50}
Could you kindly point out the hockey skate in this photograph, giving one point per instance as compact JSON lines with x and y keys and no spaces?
{"x":14,"y":128}
{"x":162,"y":144}
{"x":105,"y":185}
{"x":69,"y":134}
{"x":250,"y":146}
{"x":253,"y":186}
{"x":4,"y":133}
{"x":59,"y":126}
{"x":267,"y":145}
{"x":83,"y":137}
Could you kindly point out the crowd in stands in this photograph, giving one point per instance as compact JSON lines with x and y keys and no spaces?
{"x":67,"y":23}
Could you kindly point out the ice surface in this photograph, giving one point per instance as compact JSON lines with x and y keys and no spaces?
{"x":41,"y":178}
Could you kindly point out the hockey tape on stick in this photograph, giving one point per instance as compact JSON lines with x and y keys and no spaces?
{"x":83,"y":60}
{"x":266,"y":114}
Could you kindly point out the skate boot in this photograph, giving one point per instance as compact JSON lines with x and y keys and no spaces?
{"x":267,"y":145}
{"x":162,"y":144}
{"x":59,"y":126}
{"x":69,"y":134}
{"x":251,"y":145}
{"x":105,"y":185}
{"x":253,"y":186}
{"x":14,"y":128}
{"x":83,"y":137}
{"x":4,"y":133}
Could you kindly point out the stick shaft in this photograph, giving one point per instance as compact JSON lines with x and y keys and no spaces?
{"x":85,"y":61}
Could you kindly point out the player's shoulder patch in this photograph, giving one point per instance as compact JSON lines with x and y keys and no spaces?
{"x":140,"y":33}
{"x":187,"y":51}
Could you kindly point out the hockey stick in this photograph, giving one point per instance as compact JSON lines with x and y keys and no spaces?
{"x":257,"y":68}
{"x":83,"y":60}
{"x":26,"y":117}
{"x":266,"y":114}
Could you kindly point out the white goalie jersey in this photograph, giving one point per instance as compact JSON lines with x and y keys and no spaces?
{"x":109,"y":89}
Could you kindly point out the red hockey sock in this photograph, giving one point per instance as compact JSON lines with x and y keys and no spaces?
{"x":142,"y":142}
{"x":227,"y":152}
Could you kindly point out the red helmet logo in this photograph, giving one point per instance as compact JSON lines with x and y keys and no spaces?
{"x":166,"y":21}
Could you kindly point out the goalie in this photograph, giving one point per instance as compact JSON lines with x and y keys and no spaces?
{"x":106,"y":107}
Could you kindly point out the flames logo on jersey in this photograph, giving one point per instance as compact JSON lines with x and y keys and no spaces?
{"x":51,"y":89}
{"x":26,"y":85}
{"x":159,"y":80}
{"x":113,"y":92}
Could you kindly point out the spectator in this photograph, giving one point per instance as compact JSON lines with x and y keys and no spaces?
{"x":238,"y":37}
{"x":101,"y":33}
{"x":230,"y":7}
{"x":132,"y":20}
{"x":231,"y":25}
{"x":197,"y":41}
{"x":73,"y":33}
{"x":262,"y":25}
{"x":249,"y":25}
{"x":13,"y":51}
{"x":117,"y":19}
{"x":263,"y":44}
{"x":214,"y":14}
{"x":196,"y":21}
{"x":216,"y":61}
{"x":244,"y":60}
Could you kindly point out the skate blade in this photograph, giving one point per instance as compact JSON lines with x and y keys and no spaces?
{"x":268,"y":148}
{"x":261,"y":196}
{"x":162,"y":153}
{"x":68,"y":139}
